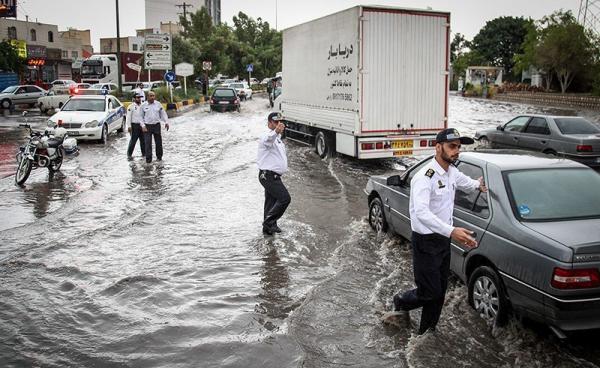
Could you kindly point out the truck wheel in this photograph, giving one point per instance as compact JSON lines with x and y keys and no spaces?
{"x":323,"y":145}
{"x":6,"y":103}
{"x":487,"y":296}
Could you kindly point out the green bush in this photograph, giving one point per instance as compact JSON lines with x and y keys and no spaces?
{"x":163,"y":96}
{"x":192,"y":93}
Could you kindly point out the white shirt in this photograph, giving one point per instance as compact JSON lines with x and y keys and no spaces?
{"x":153,"y":113}
{"x":134,"y":114}
{"x":432,"y":192}
{"x":139,"y":91}
{"x":272,"y":154}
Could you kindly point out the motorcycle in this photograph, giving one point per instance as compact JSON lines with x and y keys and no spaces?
{"x":43,"y":150}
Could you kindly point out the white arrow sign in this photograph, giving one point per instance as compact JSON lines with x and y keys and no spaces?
{"x":159,"y":38}
{"x":161,"y":65}
{"x":157,"y":55}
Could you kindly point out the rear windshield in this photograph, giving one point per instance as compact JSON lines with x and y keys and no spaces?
{"x":576,"y":126}
{"x":555,"y":194}
{"x":224,"y":93}
{"x":10,"y":89}
{"x":84,"y":105}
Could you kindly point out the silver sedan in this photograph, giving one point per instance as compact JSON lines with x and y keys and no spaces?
{"x":567,"y":136}
{"x":538,"y":231}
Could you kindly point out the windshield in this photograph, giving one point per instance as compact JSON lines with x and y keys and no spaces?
{"x":555,"y":194}
{"x":237,"y":85}
{"x":91,"y":70}
{"x":10,"y":89}
{"x":84,"y":105}
{"x":576,"y":126}
{"x":224,"y":93}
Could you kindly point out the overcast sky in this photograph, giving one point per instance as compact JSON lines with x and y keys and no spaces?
{"x":468,"y":16}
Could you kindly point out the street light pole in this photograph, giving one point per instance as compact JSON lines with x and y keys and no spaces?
{"x":119,"y":66}
{"x":276,"y":28}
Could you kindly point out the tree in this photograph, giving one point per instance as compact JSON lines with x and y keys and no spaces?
{"x":9,"y":58}
{"x":565,"y":48}
{"x":500,"y":39}
{"x":463,"y":61}
{"x":458,"y":46}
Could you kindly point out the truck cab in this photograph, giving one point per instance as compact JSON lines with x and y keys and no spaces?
{"x":99,"y":69}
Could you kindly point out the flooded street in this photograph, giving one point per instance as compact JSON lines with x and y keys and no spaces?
{"x":116,"y":263}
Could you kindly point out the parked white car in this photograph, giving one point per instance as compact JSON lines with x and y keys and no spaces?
{"x":62,"y":83}
{"x":242,"y":89}
{"x":90,"y":117}
{"x":55,"y":98}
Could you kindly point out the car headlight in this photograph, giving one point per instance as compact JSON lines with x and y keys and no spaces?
{"x":50,"y":124}
{"x":92,"y":124}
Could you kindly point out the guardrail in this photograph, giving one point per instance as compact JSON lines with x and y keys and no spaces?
{"x":583,"y":101}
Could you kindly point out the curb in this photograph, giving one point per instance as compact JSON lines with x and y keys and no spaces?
{"x":174,"y":107}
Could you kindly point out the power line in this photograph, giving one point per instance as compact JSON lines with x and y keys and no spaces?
{"x":184,"y":6}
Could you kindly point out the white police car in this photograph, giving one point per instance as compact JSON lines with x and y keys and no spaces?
{"x":90,"y":117}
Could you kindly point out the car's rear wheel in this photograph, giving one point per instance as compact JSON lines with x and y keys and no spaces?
{"x":550,"y":152}
{"x":377,"y":216}
{"x":484,"y":142}
{"x":122,"y":128}
{"x":487,"y":296}
{"x":5,"y":103}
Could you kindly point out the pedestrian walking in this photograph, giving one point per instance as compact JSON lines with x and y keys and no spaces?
{"x":153,"y":115}
{"x":432,"y":191}
{"x":134,"y":119}
{"x":272,"y":164}
{"x":140,"y":91}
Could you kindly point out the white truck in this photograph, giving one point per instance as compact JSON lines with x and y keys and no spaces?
{"x":367,"y":82}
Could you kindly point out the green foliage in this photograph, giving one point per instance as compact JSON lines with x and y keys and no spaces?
{"x":192,"y":93}
{"x":458,"y":46}
{"x":500,"y":39}
{"x":9,"y":58}
{"x":229,"y":48}
{"x":465,"y":60}
{"x":565,"y":48}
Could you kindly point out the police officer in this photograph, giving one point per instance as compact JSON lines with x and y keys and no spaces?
{"x":134,"y":119}
{"x":153,"y":115}
{"x":272,"y":164}
{"x":140,"y":91}
{"x":432,"y":191}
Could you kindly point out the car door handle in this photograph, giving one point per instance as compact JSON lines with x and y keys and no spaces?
{"x":543,"y":142}
{"x":516,"y":138}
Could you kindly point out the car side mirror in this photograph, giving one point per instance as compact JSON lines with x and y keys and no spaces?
{"x":57,"y":110}
{"x":395,"y":180}
{"x":500,"y":127}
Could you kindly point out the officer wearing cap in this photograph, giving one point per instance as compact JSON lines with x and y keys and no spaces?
{"x":134,"y":119}
{"x":272,"y":164}
{"x":432,"y":191}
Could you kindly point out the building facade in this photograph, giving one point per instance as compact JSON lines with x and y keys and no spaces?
{"x":165,"y":11}
{"x":48,"y":55}
{"x":128,"y":44}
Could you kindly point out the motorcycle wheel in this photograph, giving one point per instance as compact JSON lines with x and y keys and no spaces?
{"x":57,"y":163}
{"x":23,"y":171}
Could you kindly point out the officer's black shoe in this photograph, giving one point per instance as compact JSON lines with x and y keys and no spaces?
{"x":399,"y":319}
{"x":129,"y":158}
{"x":276,"y":229}
{"x":268,"y":231}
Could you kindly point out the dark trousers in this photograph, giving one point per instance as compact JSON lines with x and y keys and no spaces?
{"x":431,"y":266}
{"x":153,"y":130}
{"x":277,"y":197}
{"x":136,"y":134}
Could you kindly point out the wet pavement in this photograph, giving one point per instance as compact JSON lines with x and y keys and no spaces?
{"x":116,"y":263}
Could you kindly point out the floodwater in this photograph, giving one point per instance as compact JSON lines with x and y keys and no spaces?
{"x":116,"y":263}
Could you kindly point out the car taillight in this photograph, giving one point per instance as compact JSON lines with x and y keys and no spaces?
{"x":584,"y":148}
{"x":423,"y":143}
{"x":76,"y":91}
{"x":379,"y":145}
{"x":212,"y":101}
{"x":367,"y":146}
{"x":236,"y":101}
{"x":60,"y":122}
{"x":575,"y":278}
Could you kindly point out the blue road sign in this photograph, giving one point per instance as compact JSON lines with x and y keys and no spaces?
{"x":250,"y":68}
{"x":169,"y":76}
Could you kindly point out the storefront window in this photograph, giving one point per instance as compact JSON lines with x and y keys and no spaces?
{"x":74,"y":54}
{"x":48,"y":74}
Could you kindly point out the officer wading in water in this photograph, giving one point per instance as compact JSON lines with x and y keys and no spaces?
{"x":134,"y":119}
{"x":153,"y":115}
{"x":272,"y":164}
{"x":432,"y":191}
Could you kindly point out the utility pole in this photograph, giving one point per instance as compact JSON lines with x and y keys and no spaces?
{"x":119,"y":66}
{"x":276,"y":28}
{"x":184,"y":6}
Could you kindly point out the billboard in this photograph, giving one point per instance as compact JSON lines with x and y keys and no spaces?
{"x":8,"y":8}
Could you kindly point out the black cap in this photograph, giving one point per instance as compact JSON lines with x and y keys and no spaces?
{"x":275,"y":116}
{"x":452,"y":134}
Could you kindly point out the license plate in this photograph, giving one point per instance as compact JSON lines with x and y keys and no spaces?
{"x":402,"y":144}
{"x":224,"y":102}
{"x":403,"y":153}
{"x":73,"y":133}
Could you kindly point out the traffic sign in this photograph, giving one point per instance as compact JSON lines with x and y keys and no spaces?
{"x":250,"y":68}
{"x":135,"y":67}
{"x":169,"y":76}
{"x":157,"y":54}
{"x":184,"y":69}
{"x":206,"y":65}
